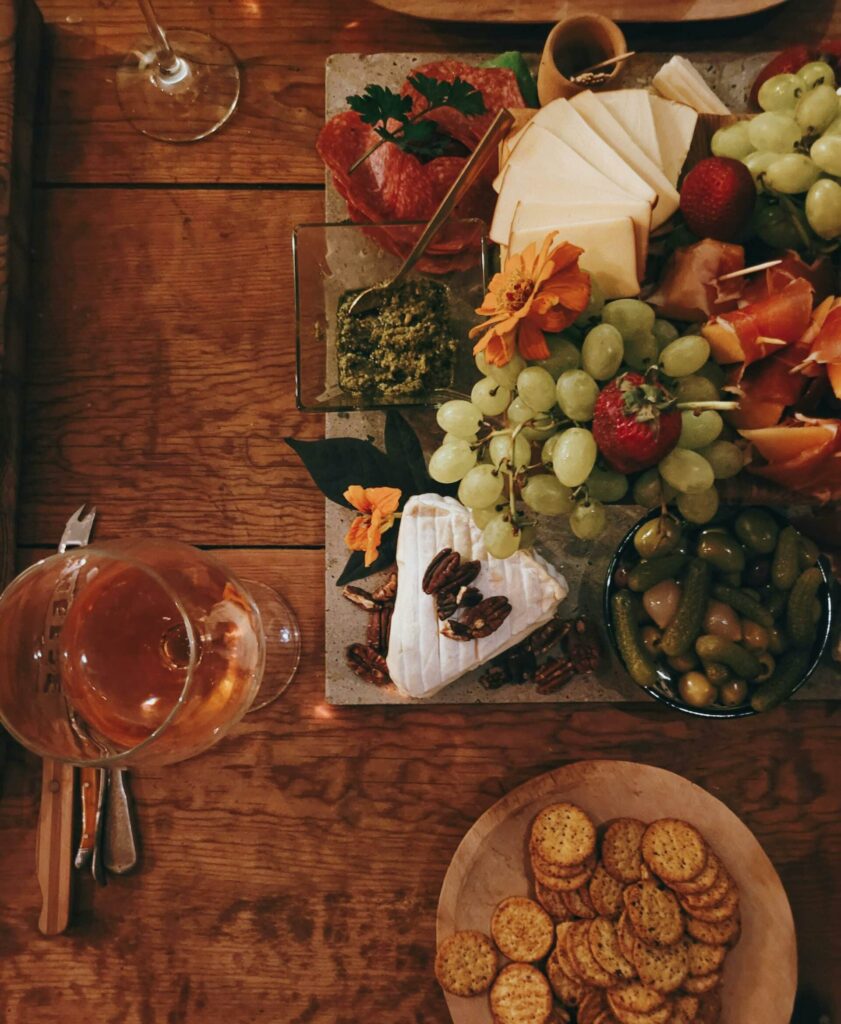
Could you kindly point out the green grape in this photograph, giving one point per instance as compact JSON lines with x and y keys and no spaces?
{"x":698,"y":508}
{"x":482,"y":516}
{"x":501,"y":537}
{"x":490,"y":398}
{"x":651,"y":489}
{"x":826,"y":152}
{"x":816,"y":72}
{"x":452,"y":439}
{"x":577,"y":393}
{"x":602,"y":351}
{"x":536,"y":387}
{"x":758,"y":163}
{"x":482,"y":364}
{"x":547,"y":495}
{"x":507,"y":375}
{"x":823,"y":208}
{"x":775,"y":131}
{"x":725,"y":458}
{"x":792,"y":173}
{"x":451,"y":461}
{"x":548,"y":450}
{"x":664,"y":332}
{"x":519,"y":412}
{"x":687,"y":471}
{"x":777,"y":226}
{"x":699,"y":427}
{"x":594,"y":305}
{"x":481,"y":486}
{"x":816,"y":110}
{"x":606,"y":485}
{"x":713,"y":372}
{"x":685,"y":355}
{"x":459,"y":418}
{"x":564,"y":354}
{"x":537,"y":431}
{"x":732,"y":141}
{"x":629,"y":316}
{"x":780,"y":92}
{"x":641,"y":351}
{"x":574,"y":456}
{"x":499,"y":449}
{"x":834,"y":128}
{"x":588,"y":520}
{"x":696,"y":388}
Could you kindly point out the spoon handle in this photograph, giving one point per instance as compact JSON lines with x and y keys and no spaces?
{"x":468,"y":174}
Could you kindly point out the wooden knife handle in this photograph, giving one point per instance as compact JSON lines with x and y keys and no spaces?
{"x":55,"y":845}
{"x":88,"y":795}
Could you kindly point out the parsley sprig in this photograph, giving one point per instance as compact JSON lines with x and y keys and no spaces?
{"x":378,"y":106}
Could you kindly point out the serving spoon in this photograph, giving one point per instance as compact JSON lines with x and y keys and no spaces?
{"x":372,"y":297}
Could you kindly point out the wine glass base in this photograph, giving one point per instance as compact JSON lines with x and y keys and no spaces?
{"x":283,"y":643}
{"x":192,"y":102}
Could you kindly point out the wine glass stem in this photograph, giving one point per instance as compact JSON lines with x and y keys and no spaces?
{"x":167,"y":60}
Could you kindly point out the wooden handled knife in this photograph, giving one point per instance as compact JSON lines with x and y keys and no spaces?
{"x":88,"y":795}
{"x":55,"y":841}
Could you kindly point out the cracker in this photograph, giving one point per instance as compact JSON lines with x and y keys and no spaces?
{"x":585,"y":964}
{"x":705,"y":983}
{"x":663,"y":968}
{"x":563,"y":835}
{"x":578,"y":903}
{"x":684,"y":1009}
{"x":709,"y":1008}
{"x":635,"y":997}
{"x":604,"y":945}
{"x":715,"y":933}
{"x":653,"y":913}
{"x":592,"y":1004}
{"x":722,"y":911}
{"x":709,"y":897}
{"x":703,"y":881}
{"x":621,"y":849}
{"x":704,"y":957}
{"x":552,"y":902}
{"x":626,"y":936}
{"x":521,"y":995}
{"x":522,"y":929}
{"x":546,"y":867}
{"x":674,"y":850}
{"x":563,"y":884}
{"x":662,"y":1015}
{"x":605,"y":892}
{"x":466,"y":963}
{"x":559,"y":1015}
{"x":566,"y":988}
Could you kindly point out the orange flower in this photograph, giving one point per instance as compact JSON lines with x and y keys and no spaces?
{"x":535,"y":292}
{"x":377,"y":505}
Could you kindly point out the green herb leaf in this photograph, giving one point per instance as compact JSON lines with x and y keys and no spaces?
{"x":379,"y":105}
{"x":458,"y":94}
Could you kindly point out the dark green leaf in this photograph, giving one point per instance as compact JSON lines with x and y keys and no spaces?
{"x":355,"y":569}
{"x":377,"y":104}
{"x":458,"y":94}
{"x":402,"y":445}
{"x":423,"y":138}
{"x":338,"y":462}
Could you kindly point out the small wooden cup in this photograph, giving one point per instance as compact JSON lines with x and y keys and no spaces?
{"x":572,"y":45}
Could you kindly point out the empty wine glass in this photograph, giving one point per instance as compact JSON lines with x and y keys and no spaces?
{"x":179,"y":85}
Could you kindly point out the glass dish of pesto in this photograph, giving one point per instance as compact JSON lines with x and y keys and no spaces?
{"x":404,"y":347}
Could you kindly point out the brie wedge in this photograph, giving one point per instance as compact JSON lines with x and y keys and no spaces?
{"x":421,"y":661}
{"x":675,"y":124}
{"x":632,"y":109}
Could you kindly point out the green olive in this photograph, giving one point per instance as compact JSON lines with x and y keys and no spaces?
{"x":733,"y":693}
{"x":757,"y":530}
{"x":768,"y":664}
{"x":696,"y":690}
{"x":650,"y":636}
{"x":716,"y":673}
{"x":657,"y":537}
{"x":684,"y":662}
{"x":722,"y":551}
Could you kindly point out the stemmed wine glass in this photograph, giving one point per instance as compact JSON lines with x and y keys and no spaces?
{"x":178,"y":86}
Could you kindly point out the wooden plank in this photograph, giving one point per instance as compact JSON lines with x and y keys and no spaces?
{"x":292,"y":874}
{"x":161,"y":374}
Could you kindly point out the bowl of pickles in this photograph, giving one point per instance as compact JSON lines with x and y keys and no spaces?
{"x":722,"y":620}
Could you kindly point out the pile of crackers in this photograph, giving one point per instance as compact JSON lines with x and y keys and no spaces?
{"x":632,"y":927}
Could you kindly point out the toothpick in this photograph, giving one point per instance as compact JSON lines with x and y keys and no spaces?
{"x":749,"y":270}
{"x":618,"y":59}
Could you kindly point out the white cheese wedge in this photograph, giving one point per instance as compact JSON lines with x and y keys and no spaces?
{"x":632,"y":109}
{"x":609,"y":252}
{"x":421,"y":661}
{"x":600,"y":119}
{"x":675,"y":124}
{"x":679,"y":79}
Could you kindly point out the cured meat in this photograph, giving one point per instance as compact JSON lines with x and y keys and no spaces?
{"x":820,"y":274}
{"x":689,"y":288}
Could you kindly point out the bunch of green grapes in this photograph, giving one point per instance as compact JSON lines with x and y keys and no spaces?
{"x":522,"y":445}
{"x":793,"y":151}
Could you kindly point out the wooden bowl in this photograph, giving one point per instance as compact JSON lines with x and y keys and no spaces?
{"x":572,"y":45}
{"x":760,"y":973}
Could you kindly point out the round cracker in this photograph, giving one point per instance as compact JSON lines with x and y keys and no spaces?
{"x":582,"y":959}
{"x":674,"y":850}
{"x":552,"y":902}
{"x":522,"y":929}
{"x":684,"y":1009}
{"x":709,"y":897}
{"x":636,"y":998}
{"x":702,"y":882}
{"x":604,"y":945}
{"x":626,"y":936}
{"x":592,"y":1004}
{"x":521,"y":995}
{"x":622,"y":849}
{"x":653,"y":913}
{"x":563,"y":884}
{"x":722,"y":911}
{"x":709,"y":1008}
{"x":566,"y":988}
{"x":715,"y":933}
{"x":546,"y":867}
{"x":605,"y":892}
{"x":705,"y":957}
{"x":466,"y":963}
{"x":578,"y":902}
{"x":563,"y":835}
{"x":705,"y":983}
{"x":663,"y":1015}
{"x":663,"y":968}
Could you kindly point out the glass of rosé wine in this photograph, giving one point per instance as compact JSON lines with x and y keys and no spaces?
{"x":137,"y":652}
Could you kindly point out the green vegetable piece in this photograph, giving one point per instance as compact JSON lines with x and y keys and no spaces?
{"x":681,"y":632}
{"x":729,"y":653}
{"x":717,"y":673}
{"x":744,"y":604}
{"x":809,"y":552}
{"x":657,"y":537}
{"x":757,"y":530}
{"x":776,"y":602}
{"x":786,"y":563}
{"x":637,"y":660}
{"x":647,"y":573}
{"x":790,"y":670}
{"x":722,"y":551}
{"x":800,"y":623}
{"x":516,"y":62}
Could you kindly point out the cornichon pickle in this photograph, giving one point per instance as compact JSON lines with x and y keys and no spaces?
{"x":809,"y":552}
{"x":744,"y":604}
{"x":786,"y":563}
{"x":722,"y":551}
{"x":729,"y":653}
{"x":789,"y":671}
{"x":776,"y":602}
{"x":647,"y":573}
{"x":637,"y":660}
{"x":681,"y":632}
{"x":800,"y":623}
{"x":717,"y":673}
{"x":757,"y":530}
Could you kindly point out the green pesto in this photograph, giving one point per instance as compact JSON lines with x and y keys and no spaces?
{"x":403,"y":347}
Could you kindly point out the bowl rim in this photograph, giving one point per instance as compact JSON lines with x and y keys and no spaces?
{"x":743,"y":711}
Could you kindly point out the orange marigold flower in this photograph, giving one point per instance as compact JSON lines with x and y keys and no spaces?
{"x":535,"y":291}
{"x":378,"y":506}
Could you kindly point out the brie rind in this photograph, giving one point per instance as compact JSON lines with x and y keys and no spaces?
{"x":675,"y":124}
{"x":420,"y":660}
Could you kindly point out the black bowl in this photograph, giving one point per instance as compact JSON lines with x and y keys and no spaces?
{"x":666,"y":690}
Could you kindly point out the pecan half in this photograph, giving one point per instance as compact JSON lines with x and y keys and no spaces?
{"x":379,"y":627}
{"x":552,"y":675}
{"x":388,"y":590}
{"x":368,"y":664}
{"x":358,"y":596}
{"x":495,"y":677}
{"x":439,"y":569}
{"x":582,"y":647}
{"x":520,"y":664}
{"x":456,"y":630}
{"x":467,"y":597}
{"x":546,"y":636}
{"x":446,"y":604}
{"x":486,"y":617}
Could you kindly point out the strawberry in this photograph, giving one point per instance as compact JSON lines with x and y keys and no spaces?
{"x":788,"y":62}
{"x":717,"y":198}
{"x":635,"y":423}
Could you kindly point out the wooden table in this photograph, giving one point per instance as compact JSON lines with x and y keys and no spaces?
{"x":291,"y":875}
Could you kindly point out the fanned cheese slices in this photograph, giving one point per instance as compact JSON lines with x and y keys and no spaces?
{"x":420,"y":660}
{"x":675,"y":124}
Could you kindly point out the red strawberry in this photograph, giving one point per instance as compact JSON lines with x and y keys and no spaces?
{"x":717,"y":198}
{"x":635,"y":423}
{"x":788,"y":62}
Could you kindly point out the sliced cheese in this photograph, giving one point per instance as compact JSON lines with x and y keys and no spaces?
{"x":675,"y":124}
{"x":609,"y":251}
{"x":421,"y":661}
{"x":679,"y":79}
{"x":600,"y":119}
{"x":632,"y":109}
